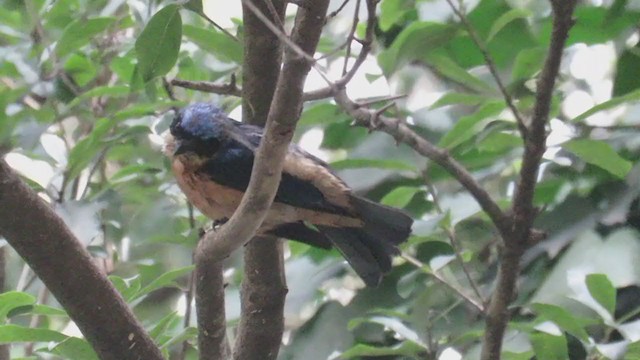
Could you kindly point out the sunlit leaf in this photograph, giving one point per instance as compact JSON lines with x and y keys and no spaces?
{"x":549,"y":347}
{"x":12,"y":300}
{"x":602,"y":291}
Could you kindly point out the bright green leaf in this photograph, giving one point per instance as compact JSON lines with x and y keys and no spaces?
{"x":74,"y":348}
{"x":600,"y":154}
{"x":393,"y":11}
{"x":549,"y":347}
{"x":602,"y":291}
{"x":505,"y":19}
{"x":400,"y":196}
{"x":158,"y":45}
{"x":15,"y":333}
{"x":322,"y":113}
{"x":12,"y":300}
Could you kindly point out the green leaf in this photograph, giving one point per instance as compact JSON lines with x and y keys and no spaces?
{"x":549,"y":347}
{"x":469,"y":125}
{"x":413,"y":42}
{"x":564,"y":319}
{"x":400,"y":196}
{"x":12,"y":300}
{"x":158,"y":45}
{"x":74,"y":348}
{"x":609,"y":104}
{"x":394,"y":11}
{"x":602,"y":291}
{"x":323,"y":113}
{"x":80,"y":68}
{"x":527,"y":63}
{"x":499,"y":141}
{"x":505,"y":19}
{"x":165,"y":280}
{"x":15,"y":333}
{"x":633,"y":351}
{"x":79,"y":33}
{"x":187,"y":334}
{"x":110,"y":91}
{"x":215,"y":42}
{"x":600,"y":154}
{"x":372,"y":163}
{"x":162,"y":325}
{"x":405,"y":348}
{"x":448,"y":68}
{"x":627,"y":78}
{"x":455,"y":98}
{"x":85,"y":150}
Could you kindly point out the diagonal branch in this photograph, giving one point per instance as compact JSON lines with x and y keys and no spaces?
{"x":43,"y":240}
{"x":523,"y":212}
{"x":281,"y":121}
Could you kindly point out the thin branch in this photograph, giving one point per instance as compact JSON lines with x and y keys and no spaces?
{"x":522,"y":127}
{"x":404,"y":134}
{"x":420,"y":265}
{"x":350,"y":37}
{"x":206,"y":86}
{"x":457,"y":249}
{"x":68,"y":270}
{"x":337,"y":11}
{"x":4,"y":348}
{"x":524,"y":213}
{"x":190,"y":290}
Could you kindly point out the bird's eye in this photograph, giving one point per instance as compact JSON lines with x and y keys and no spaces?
{"x":176,"y":128}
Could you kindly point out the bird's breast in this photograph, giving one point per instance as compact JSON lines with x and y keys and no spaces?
{"x":212,"y":199}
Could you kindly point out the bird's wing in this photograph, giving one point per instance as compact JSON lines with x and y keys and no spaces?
{"x":306,"y":183}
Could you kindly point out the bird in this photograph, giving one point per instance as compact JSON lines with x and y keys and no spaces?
{"x":212,"y":157}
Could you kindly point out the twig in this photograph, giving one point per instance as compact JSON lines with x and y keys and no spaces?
{"x":274,"y":14}
{"x":523,"y":213}
{"x":522,"y":127}
{"x":337,"y":11}
{"x":189,"y":293}
{"x":206,"y":86}
{"x":420,"y":265}
{"x":454,"y":241}
{"x":403,"y":134}
{"x":350,"y":37}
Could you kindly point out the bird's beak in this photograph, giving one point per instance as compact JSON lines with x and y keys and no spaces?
{"x":184,"y":146}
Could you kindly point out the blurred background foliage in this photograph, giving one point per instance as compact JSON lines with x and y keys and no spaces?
{"x":83,"y":108}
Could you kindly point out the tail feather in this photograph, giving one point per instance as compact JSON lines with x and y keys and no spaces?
{"x":369,"y":249}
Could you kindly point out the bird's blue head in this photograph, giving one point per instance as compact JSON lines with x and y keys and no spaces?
{"x":199,"y":129}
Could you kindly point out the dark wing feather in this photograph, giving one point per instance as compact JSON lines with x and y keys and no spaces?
{"x":231,"y":166}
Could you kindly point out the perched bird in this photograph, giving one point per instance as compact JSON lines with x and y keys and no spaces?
{"x":212,"y":158}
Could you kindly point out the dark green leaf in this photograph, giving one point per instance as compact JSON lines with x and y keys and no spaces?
{"x":158,"y":45}
{"x":601,"y":154}
{"x":602,"y":291}
{"x":79,"y":33}
{"x":80,"y":69}
{"x":528,"y":62}
{"x":405,"y":348}
{"x":167,"y":279}
{"x":627,"y":78}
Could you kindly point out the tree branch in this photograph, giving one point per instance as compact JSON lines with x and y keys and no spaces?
{"x":212,"y":324}
{"x":206,"y":86}
{"x":264,"y":286}
{"x":4,"y":348}
{"x":515,"y":243}
{"x":42,"y":239}
{"x":281,"y":121}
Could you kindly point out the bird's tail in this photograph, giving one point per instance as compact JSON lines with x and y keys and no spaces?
{"x":369,"y":249}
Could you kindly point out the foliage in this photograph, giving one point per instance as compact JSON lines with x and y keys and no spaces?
{"x":84,"y":105}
